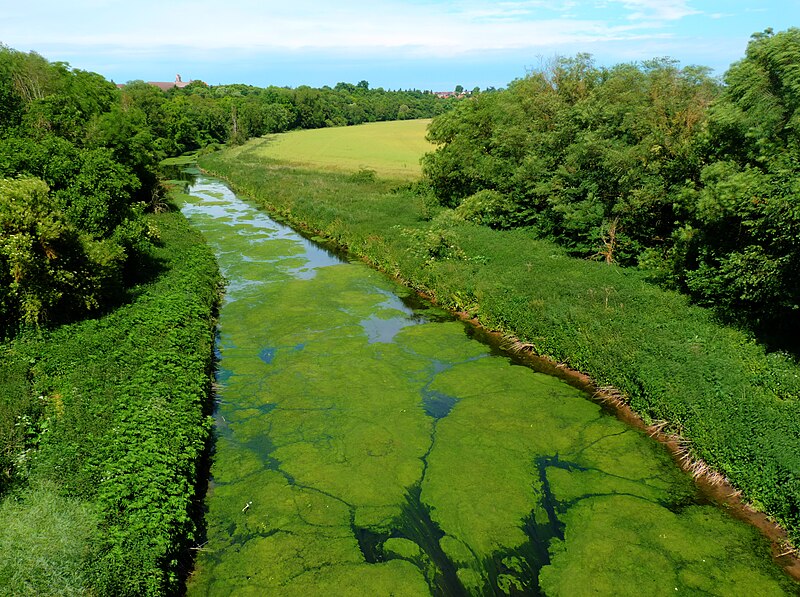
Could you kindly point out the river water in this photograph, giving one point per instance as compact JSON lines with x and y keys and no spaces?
{"x":368,"y":445}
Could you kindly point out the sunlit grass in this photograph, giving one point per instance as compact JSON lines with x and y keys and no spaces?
{"x":391,"y":149}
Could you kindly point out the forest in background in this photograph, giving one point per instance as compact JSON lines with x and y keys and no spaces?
{"x":197,"y":115}
{"x":653,"y":165}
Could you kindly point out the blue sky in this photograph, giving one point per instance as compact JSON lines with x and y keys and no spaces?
{"x":423,"y":44}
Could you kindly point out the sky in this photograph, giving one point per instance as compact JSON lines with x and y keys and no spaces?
{"x":413,"y":44}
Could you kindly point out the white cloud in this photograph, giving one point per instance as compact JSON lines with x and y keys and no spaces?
{"x":657,"y":10}
{"x":439,"y":28}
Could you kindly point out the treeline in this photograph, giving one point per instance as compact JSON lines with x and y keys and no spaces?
{"x":649,"y":165}
{"x":197,"y":115}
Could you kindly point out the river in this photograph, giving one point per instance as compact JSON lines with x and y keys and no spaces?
{"x":368,"y":444}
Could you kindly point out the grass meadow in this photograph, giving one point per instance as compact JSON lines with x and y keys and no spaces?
{"x":391,"y":149}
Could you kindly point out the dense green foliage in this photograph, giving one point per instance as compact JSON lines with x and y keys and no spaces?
{"x":76,"y":175}
{"x":103,"y":422}
{"x":736,"y":405}
{"x":647,"y":164}
{"x":117,"y":411}
{"x":197,"y":115}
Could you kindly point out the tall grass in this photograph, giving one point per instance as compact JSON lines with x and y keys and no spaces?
{"x":735,"y":404}
{"x":46,"y":542}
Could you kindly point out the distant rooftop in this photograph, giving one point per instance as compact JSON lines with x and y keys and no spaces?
{"x":166,"y":86}
{"x":178,"y":82}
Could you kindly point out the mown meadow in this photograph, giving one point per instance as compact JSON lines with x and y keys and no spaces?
{"x":392,"y":152}
{"x":733,"y":403}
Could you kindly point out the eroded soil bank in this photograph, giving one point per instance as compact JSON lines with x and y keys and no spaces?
{"x":367,"y":444}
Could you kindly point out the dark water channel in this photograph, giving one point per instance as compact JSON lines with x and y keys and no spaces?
{"x":367,"y":445}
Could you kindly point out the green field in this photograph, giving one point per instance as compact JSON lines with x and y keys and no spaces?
{"x":391,"y":149}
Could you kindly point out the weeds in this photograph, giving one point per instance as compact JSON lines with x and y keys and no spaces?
{"x":119,"y":430}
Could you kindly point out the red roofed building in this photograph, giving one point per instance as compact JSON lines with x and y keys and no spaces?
{"x":167,"y":86}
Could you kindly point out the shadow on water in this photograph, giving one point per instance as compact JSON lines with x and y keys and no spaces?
{"x":198,"y":508}
{"x":512,"y":572}
{"x":415,"y":525}
{"x":180,"y":172}
{"x":516,"y":571}
{"x":508,"y":572}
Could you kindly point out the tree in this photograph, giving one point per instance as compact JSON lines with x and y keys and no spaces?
{"x":740,"y":248}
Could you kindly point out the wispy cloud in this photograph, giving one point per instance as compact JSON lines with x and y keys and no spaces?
{"x":304,"y":36}
{"x":442,"y":28}
{"x":657,"y":10}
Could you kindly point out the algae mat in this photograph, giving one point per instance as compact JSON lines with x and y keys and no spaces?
{"x":366,"y":445}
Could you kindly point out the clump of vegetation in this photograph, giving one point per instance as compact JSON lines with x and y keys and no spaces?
{"x":103,"y":422}
{"x":488,"y":208}
{"x":110,"y":419}
{"x":77,"y":174}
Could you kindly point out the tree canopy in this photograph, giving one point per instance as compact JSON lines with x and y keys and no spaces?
{"x":646,"y":164}
{"x":75,"y":170}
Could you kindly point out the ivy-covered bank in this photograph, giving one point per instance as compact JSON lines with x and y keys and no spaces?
{"x":105,"y":423}
{"x":736,"y":405}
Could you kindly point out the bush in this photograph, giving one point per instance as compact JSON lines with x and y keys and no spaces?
{"x":125,"y":420}
{"x":488,"y":208}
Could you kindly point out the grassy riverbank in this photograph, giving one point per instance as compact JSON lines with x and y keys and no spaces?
{"x":736,"y":405}
{"x":104,"y":423}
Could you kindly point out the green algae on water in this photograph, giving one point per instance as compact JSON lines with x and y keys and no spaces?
{"x":367,"y":448}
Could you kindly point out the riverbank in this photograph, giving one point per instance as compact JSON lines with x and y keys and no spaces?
{"x":735,"y":406}
{"x":368,"y":444}
{"x":117,"y":413}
